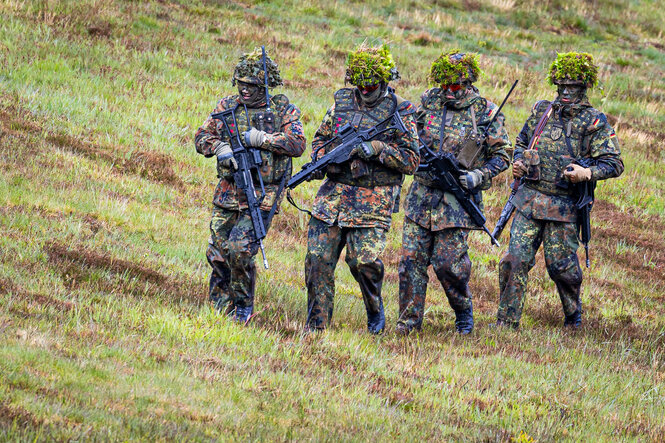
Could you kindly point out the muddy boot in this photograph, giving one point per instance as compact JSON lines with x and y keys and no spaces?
{"x":376,"y":321}
{"x":243,"y":314}
{"x":464,"y":321}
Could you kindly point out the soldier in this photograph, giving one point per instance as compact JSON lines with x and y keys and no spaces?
{"x":545,"y":204}
{"x":233,"y":245}
{"x":451,"y":118}
{"x":354,"y":205}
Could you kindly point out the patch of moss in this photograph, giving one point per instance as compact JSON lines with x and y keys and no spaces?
{"x":370,"y":65}
{"x":576,"y":66}
{"x":453,"y":67}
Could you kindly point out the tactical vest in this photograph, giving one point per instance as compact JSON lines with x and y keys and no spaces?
{"x":358,"y":172}
{"x":274,"y":166}
{"x":561,"y":143}
{"x":459,"y":125}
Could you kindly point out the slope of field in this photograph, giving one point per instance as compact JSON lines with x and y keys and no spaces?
{"x":105,"y":332}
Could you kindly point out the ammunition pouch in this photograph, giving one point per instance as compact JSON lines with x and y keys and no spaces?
{"x":264,"y":121}
{"x":470,"y":152}
{"x":532,"y":163}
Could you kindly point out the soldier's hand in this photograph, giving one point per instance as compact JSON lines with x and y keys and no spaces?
{"x":224,"y":155}
{"x":255,"y":138}
{"x":471,"y":179}
{"x":316,"y":175}
{"x":519,"y":169}
{"x":367,"y":150}
{"x":576,"y":173}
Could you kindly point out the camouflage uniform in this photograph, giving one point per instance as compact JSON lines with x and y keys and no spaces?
{"x":436,"y":227}
{"x":354,"y":205}
{"x":232,"y":244}
{"x":545,"y":209}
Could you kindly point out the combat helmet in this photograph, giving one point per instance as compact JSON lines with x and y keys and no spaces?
{"x":573,"y":68}
{"x":455,"y":67}
{"x":250,"y":70}
{"x":370,"y":65}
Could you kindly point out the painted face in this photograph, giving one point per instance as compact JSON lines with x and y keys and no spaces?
{"x":249,"y":93}
{"x":571,"y":94}
{"x":369,"y":94}
{"x":455,"y":91}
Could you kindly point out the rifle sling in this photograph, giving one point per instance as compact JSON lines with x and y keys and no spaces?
{"x":443,"y":126}
{"x":539,"y":128}
{"x":282,"y":183}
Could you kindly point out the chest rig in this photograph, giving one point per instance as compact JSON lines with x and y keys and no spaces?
{"x":561,"y":142}
{"x":358,"y":172}
{"x":273,"y":166}
{"x":452,"y":130}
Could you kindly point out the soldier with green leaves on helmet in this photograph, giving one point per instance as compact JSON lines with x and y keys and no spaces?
{"x":278,"y":136}
{"x":548,"y":163}
{"x":452,"y":117}
{"x":354,"y":205}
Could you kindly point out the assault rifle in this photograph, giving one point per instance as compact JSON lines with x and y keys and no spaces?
{"x":347,"y":139}
{"x":585,"y":199}
{"x":445,"y":170}
{"x":507,"y":210}
{"x":248,"y":160}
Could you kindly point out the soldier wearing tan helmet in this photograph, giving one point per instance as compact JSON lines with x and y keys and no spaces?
{"x":278,"y":136}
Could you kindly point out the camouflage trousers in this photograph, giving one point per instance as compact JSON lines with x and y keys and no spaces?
{"x":447,"y":252}
{"x":560,"y":245}
{"x":231,"y":252}
{"x":324,"y":247}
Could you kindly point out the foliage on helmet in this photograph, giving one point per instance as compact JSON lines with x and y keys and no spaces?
{"x":370,"y":65}
{"x":573,"y":67}
{"x":250,"y":69}
{"x":455,"y":67}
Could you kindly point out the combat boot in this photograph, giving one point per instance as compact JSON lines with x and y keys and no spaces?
{"x":464,"y":321}
{"x":573,"y":320}
{"x":376,"y":321}
{"x":243,"y":314}
{"x":504,"y":324}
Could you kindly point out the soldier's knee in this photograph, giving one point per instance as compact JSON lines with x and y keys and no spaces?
{"x":566,"y":271}
{"x":213,"y":254}
{"x":364,"y":264}
{"x":239,"y":251}
{"x":511,"y":262}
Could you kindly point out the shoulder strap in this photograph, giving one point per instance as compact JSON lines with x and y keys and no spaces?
{"x":473,"y":120}
{"x":443,"y":126}
{"x":539,"y":127}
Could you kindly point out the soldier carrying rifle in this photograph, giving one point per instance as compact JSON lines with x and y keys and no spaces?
{"x":354,"y":205}
{"x":562,"y":144}
{"x":253,"y":136}
{"x":455,"y":124}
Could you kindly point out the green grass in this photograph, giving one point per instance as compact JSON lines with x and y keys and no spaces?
{"x":105,"y":206}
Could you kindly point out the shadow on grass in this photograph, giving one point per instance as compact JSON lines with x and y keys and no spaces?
{"x":77,"y":265}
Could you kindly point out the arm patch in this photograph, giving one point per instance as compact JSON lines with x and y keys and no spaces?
{"x":406,"y":108}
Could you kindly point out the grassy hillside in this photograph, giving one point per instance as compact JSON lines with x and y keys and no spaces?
{"x":105,"y":332}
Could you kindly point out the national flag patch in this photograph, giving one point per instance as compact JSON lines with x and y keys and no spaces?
{"x":595,"y":122}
